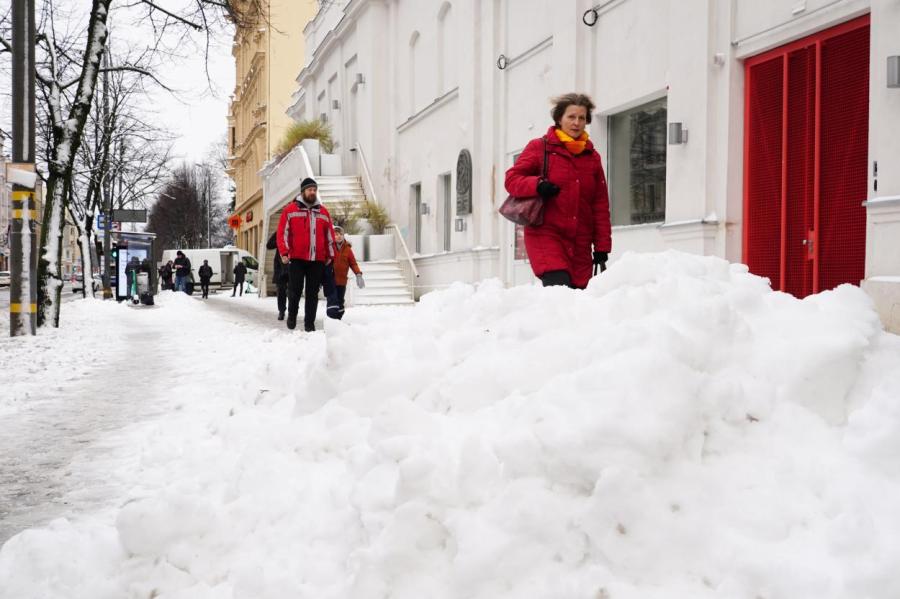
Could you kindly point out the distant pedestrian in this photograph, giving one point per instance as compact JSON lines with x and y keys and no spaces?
{"x":306,"y":244}
{"x":280,"y":274}
{"x":206,"y":273}
{"x":576,"y":200}
{"x":182,"y":267}
{"x":240,"y":272}
{"x":165,"y":275}
{"x":344,"y":261}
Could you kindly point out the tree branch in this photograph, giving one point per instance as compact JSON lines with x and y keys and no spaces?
{"x":152,"y":5}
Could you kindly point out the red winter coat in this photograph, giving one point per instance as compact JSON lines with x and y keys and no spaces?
{"x":574,"y":220}
{"x":344,"y":260}
{"x":306,"y":232}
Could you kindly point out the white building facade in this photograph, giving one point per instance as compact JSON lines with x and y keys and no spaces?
{"x":790,"y":157}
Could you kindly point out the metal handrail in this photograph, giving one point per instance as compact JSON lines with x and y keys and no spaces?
{"x":409,"y":259}
{"x":367,"y":176}
{"x":306,"y":161}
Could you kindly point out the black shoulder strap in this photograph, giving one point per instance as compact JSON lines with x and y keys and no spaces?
{"x":544,"y":170}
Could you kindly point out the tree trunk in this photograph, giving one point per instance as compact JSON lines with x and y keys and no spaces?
{"x":67,"y":138}
{"x":86,"y":245}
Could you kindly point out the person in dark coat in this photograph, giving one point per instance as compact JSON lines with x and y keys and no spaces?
{"x":306,"y":243}
{"x":240,"y":272}
{"x":132,"y":268}
{"x":182,"y":267}
{"x":206,"y":273}
{"x":165,"y":275}
{"x":576,"y":234}
{"x":280,"y":276}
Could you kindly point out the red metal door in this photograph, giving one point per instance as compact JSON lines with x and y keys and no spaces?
{"x":805,"y":155}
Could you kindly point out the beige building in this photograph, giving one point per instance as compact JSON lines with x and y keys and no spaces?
{"x":267,"y":59}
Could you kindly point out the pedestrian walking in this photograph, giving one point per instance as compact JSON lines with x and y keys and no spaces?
{"x":576,"y":233}
{"x":306,"y":244}
{"x":344,"y":262}
{"x":280,"y":276}
{"x":182,"y":268}
{"x":165,"y":275}
{"x":240,"y":272}
{"x":206,"y":273}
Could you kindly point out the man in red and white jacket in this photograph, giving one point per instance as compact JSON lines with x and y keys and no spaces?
{"x":306,"y":245}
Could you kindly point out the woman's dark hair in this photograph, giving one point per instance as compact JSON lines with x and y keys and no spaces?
{"x":560,"y":103}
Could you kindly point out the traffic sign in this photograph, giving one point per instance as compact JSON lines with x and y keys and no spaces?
{"x":129,"y":216}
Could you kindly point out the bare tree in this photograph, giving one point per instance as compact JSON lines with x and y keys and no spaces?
{"x":69,"y":62}
{"x":189,"y":212}
{"x":122,"y":158}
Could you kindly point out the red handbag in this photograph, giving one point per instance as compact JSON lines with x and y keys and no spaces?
{"x":526,"y":211}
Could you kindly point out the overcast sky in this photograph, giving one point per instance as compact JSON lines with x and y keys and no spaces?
{"x":196,"y":114}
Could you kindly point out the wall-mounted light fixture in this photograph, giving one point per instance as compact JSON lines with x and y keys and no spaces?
{"x":893,"y":74}
{"x":424,"y":209}
{"x":678,"y":134}
{"x":360,"y":79}
{"x":336,"y":104}
{"x":460,"y":225}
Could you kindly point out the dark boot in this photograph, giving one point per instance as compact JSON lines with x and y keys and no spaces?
{"x":281,"y":315}
{"x":291,"y":321}
{"x":309,"y":328}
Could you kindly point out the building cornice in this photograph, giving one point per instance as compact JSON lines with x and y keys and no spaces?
{"x":350,"y":13}
{"x":242,"y":149}
{"x":435,"y":104}
{"x":256,"y":196}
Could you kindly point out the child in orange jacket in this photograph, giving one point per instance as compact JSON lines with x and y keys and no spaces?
{"x":344,"y":261}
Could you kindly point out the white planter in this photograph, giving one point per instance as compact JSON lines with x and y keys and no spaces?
{"x":330,"y":165}
{"x":380,"y":247}
{"x":357,"y":242}
{"x":364,"y":227}
{"x":313,"y":151}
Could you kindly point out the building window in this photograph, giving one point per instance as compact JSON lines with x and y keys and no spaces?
{"x":637,"y":164}
{"x":446,"y":208}
{"x":414,"y":74}
{"x":415,"y":205}
{"x":446,"y":58}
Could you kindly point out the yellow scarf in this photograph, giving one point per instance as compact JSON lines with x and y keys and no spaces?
{"x":575,"y":146}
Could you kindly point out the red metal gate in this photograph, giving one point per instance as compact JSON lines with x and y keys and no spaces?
{"x":805,"y":160}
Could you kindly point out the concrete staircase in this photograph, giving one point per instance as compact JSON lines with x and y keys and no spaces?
{"x":385,"y":285}
{"x":385,"y":282}
{"x":333,"y":190}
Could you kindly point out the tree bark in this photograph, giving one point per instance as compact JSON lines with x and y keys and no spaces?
{"x":67,"y":138}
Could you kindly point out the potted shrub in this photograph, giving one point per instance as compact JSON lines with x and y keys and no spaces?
{"x":312,"y":129}
{"x":380,"y":243}
{"x":345,"y":215}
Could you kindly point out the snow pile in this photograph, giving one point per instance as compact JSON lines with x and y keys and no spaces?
{"x":678,"y":430}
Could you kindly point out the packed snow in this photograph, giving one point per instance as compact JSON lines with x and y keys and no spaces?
{"x":677,"y":430}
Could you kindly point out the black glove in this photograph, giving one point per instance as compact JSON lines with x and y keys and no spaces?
{"x":547,"y":190}
{"x":600,"y":259}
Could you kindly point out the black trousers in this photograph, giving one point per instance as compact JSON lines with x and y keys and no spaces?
{"x":305,"y":275}
{"x":238,"y":285}
{"x":204,"y":287}
{"x":554,"y":278}
{"x":341,"y":292}
{"x":281,"y":287}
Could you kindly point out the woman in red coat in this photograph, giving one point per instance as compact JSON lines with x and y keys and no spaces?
{"x":576,"y":233}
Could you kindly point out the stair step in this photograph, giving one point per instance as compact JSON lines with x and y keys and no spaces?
{"x":373,"y":301}
{"x":386,"y":292}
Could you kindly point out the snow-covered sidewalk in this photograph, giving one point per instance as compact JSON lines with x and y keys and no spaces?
{"x":678,"y":430}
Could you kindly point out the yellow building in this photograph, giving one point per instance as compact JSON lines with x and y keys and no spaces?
{"x":268,"y":56}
